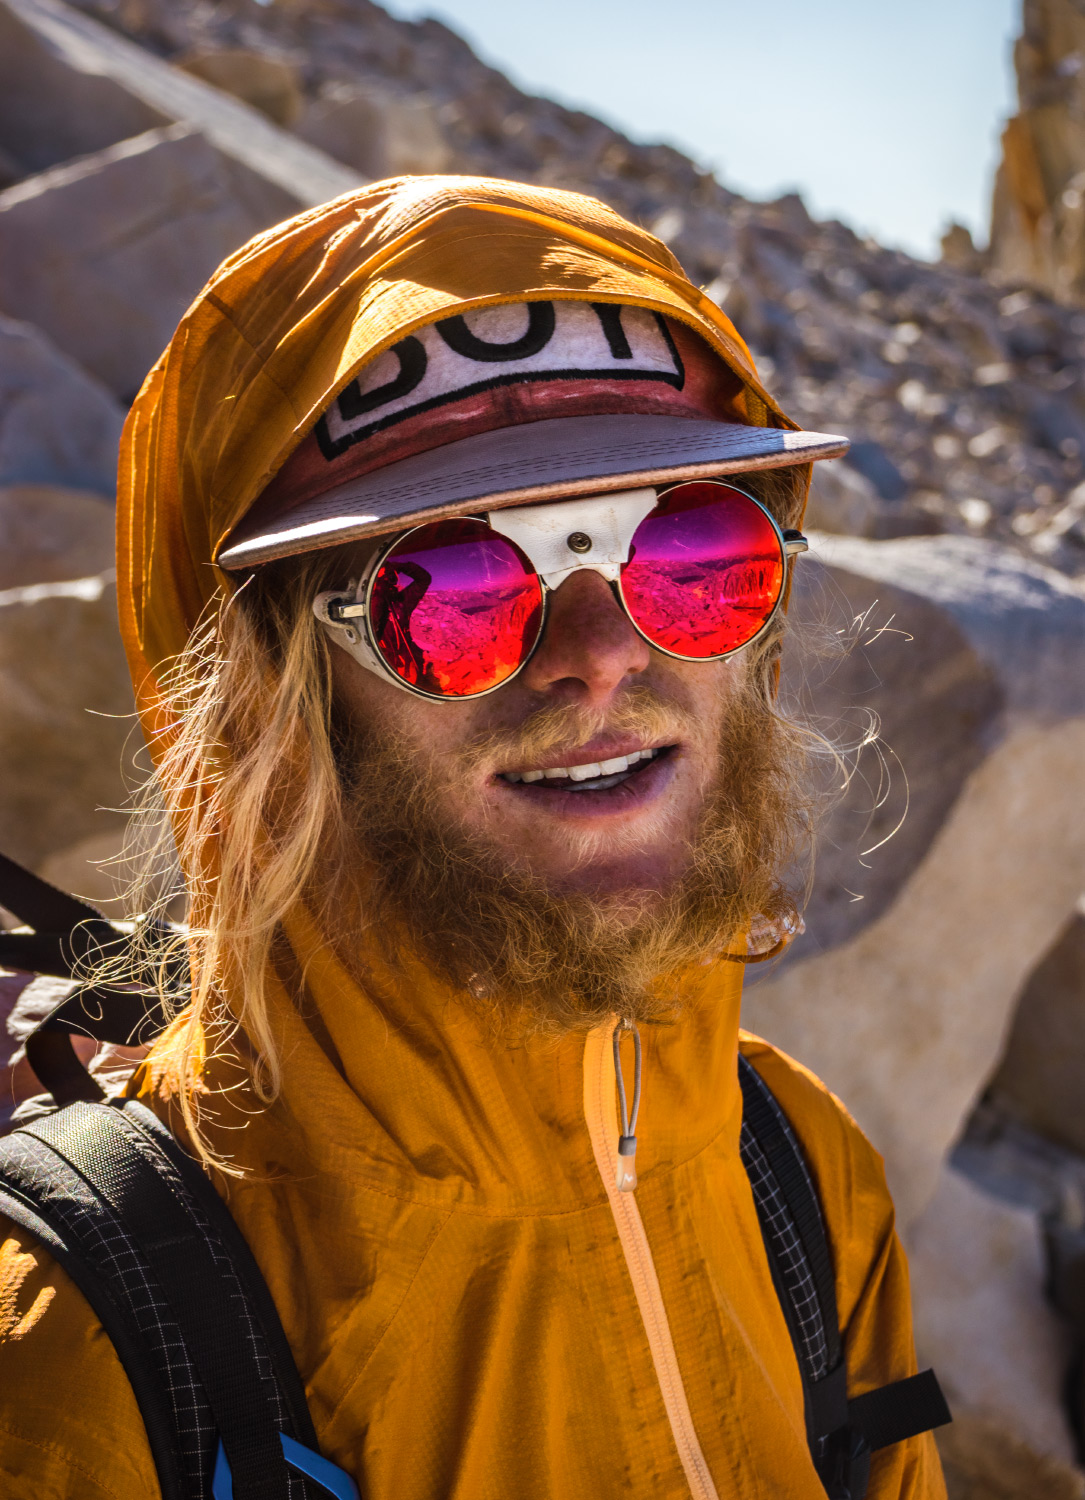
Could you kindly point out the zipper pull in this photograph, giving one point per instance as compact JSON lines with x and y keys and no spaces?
{"x":625,"y":1176}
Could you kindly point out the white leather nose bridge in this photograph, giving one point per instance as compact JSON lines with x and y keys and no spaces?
{"x":544,"y":532}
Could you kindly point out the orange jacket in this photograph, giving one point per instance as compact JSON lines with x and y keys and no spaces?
{"x":474,"y":1310}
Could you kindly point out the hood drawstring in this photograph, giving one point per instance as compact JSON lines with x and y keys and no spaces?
{"x":626,"y":1175}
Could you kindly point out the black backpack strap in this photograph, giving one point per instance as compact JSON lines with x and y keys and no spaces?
{"x":66,"y":930}
{"x":901,"y":1410}
{"x":42,"y":906}
{"x":68,"y":934}
{"x":842,"y":1434}
{"x":25,"y":1183}
{"x":144,"y":1235}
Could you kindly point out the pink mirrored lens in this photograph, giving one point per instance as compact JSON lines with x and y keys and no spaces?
{"x":455,"y":608}
{"x":705,"y":571}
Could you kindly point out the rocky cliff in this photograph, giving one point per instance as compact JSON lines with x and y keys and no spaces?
{"x":1038,"y":218}
{"x":963,"y":395}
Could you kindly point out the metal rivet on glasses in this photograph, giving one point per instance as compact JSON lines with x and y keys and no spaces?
{"x":578,"y":541}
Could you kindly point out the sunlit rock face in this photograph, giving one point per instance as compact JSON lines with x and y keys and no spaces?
{"x":1038,"y":219}
{"x":951,"y":865}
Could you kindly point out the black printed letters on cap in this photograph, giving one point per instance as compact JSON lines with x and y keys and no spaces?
{"x":517,"y":344}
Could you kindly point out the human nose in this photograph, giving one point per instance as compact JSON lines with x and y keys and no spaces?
{"x":589,"y":645}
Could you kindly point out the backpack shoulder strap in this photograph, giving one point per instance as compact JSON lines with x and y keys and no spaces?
{"x":149,"y":1242}
{"x":27,"y":1182}
{"x":842,"y":1434}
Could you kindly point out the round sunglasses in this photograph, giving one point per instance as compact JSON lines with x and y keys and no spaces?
{"x":455,"y":609}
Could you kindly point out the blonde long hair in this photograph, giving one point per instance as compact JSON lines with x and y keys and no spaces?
{"x":244,"y":790}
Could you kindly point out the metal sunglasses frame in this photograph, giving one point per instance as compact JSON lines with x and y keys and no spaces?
{"x":558,"y":540}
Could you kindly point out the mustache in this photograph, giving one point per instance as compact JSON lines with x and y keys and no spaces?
{"x":642,"y":713}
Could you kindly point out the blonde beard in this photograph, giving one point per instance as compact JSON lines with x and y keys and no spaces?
{"x":530,"y":958}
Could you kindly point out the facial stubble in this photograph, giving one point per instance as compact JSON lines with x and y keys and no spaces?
{"x":531,"y":958}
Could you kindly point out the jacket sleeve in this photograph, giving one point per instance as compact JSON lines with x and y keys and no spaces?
{"x":70,"y":1428}
{"x":871,"y":1272}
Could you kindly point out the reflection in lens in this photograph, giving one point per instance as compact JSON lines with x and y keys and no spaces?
{"x":705,"y":571}
{"x":455,"y":608}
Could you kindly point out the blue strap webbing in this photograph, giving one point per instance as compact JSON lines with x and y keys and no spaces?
{"x":336,"y":1481}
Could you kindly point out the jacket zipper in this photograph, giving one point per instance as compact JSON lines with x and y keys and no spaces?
{"x":601,"y":1115}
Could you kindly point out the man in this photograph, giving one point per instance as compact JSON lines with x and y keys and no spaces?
{"x":454,"y":535}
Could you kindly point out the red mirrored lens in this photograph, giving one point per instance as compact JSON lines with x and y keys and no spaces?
{"x":705,"y":571}
{"x":455,"y":608}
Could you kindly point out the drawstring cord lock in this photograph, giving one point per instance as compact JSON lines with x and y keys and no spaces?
{"x":626,"y":1175}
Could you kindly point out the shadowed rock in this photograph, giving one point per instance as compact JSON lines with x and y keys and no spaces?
{"x":1041,"y":1078}
{"x":79,"y":86}
{"x":58,"y":425}
{"x":48,"y":534}
{"x":266,"y":83}
{"x":376,"y":131}
{"x":68,"y":716}
{"x":55,"y":102}
{"x":105,"y":254}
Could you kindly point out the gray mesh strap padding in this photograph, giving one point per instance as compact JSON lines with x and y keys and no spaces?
{"x":789,"y":1255}
{"x":91,"y":1229}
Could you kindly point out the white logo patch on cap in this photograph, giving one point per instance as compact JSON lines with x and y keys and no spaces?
{"x":494,"y":346}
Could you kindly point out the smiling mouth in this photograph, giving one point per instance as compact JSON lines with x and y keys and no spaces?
{"x":592,"y":776}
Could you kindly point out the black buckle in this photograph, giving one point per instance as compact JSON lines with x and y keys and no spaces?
{"x":843,"y":1464}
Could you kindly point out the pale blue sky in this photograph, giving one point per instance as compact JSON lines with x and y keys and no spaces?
{"x":887,"y":116}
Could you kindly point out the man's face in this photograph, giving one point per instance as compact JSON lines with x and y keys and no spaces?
{"x":593,"y":692}
{"x":556,"y":907}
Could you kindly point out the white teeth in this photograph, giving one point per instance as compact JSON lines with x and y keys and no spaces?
{"x":584,"y":773}
{"x":613,"y":767}
{"x":619,"y":763}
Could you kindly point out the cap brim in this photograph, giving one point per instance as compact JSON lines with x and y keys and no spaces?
{"x":548,"y":460}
